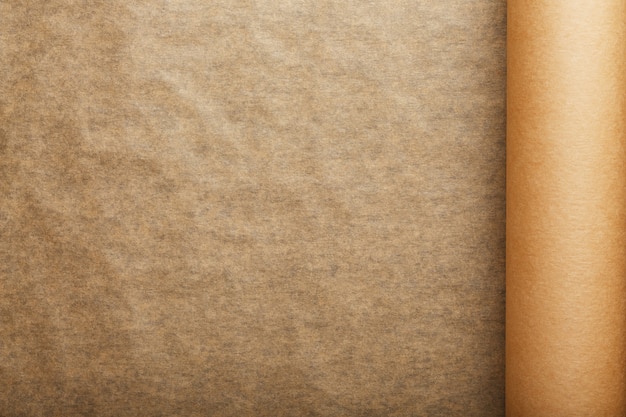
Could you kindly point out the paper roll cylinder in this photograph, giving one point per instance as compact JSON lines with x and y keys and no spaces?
{"x":566,"y":216}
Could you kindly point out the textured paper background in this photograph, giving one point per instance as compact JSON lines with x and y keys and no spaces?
{"x":252,"y":208}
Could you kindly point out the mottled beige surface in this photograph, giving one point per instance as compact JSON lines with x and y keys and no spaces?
{"x":252,"y":208}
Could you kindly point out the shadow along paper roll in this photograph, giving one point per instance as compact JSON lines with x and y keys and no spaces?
{"x":566,"y":196}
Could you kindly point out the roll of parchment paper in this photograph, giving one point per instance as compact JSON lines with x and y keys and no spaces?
{"x":566,"y":198}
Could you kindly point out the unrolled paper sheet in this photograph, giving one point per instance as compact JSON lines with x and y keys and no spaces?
{"x":252,"y":208}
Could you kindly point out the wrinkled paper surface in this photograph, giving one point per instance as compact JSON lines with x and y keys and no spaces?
{"x":252,"y":208}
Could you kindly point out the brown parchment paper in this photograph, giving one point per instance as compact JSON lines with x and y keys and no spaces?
{"x":252,"y":208}
{"x":566,"y":196}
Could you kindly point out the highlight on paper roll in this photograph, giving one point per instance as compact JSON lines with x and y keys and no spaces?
{"x":566,"y":208}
